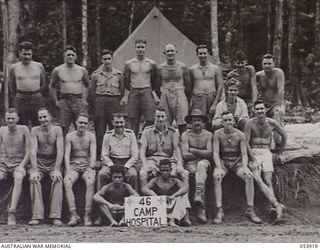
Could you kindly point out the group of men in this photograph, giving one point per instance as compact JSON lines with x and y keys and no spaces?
{"x":161,"y":94}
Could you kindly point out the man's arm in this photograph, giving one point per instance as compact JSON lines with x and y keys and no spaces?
{"x":253,"y":82}
{"x":105,"y":152}
{"x":12,"y":82}
{"x":216,"y":150}
{"x":134,"y":152}
{"x":219,"y":82}
{"x":60,"y":146}
{"x":85,"y":85}
{"x":280,"y":84}
{"x":158,"y":82}
{"x":53,"y":85}
{"x":93,"y":150}
{"x":26,"y":135}
{"x":33,"y":150}
{"x":143,"y":147}
{"x":147,"y":189}
{"x":98,"y":197}
{"x":203,"y":153}
{"x":93,"y":86}
{"x":192,"y":81}
{"x":127,"y":76}
{"x":153,"y":76}
{"x":131,"y":191}
{"x":186,"y":80}
{"x":43,"y":82}
{"x":176,"y":149}
{"x":243,"y":149}
{"x":67,"y":152}
{"x":121,"y":85}
{"x":183,"y":189}
{"x":277,"y":127}
{"x":185,"y":150}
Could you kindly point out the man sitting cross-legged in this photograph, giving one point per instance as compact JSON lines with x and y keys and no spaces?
{"x":80,"y":158}
{"x":110,"y":198}
{"x":173,"y":188}
{"x":230,"y":154}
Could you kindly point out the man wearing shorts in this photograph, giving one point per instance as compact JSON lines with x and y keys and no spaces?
{"x":139,"y":80}
{"x":80,"y":159}
{"x":196,"y":152}
{"x":258,"y":131}
{"x":206,"y":83}
{"x":27,"y":82}
{"x":14,"y":157}
{"x":271,"y":83}
{"x":173,"y":77}
{"x":46,"y":158}
{"x":73,"y":82}
{"x":230,"y":155}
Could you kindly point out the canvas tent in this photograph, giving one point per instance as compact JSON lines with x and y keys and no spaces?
{"x":158,"y":31}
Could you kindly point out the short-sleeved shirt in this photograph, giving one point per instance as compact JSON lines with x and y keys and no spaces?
{"x":106,"y":83}
{"x":240,"y":111}
{"x":115,"y":195}
{"x":159,"y":144}
{"x":124,"y":146}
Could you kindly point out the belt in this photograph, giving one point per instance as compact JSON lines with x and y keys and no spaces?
{"x":229,"y":154}
{"x":70,"y":96}
{"x":106,"y":95}
{"x":47,"y":156}
{"x":28,"y":92}
{"x":260,"y":146}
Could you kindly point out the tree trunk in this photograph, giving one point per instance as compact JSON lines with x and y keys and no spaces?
{"x":269,"y":35}
{"x":84,"y":8}
{"x":10,"y":20}
{"x":317,"y":32}
{"x":278,"y":31}
{"x":98,"y":33}
{"x":64,"y":23}
{"x":131,"y":16}
{"x":292,"y":56}
{"x":214,"y":31}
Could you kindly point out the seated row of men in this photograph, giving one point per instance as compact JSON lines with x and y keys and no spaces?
{"x":228,"y":147}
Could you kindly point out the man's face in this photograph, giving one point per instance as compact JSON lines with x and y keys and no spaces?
{"x":106,"y":59}
{"x":260,"y":110}
{"x":160,"y":117}
{"x":118,"y":124}
{"x":11,"y":119}
{"x":170,"y":51}
{"x":232,"y":91}
{"x":202,"y":54}
{"x":70,"y":56}
{"x":82,"y":123}
{"x":140,"y":49}
{"x":44,"y":117}
{"x":240,"y":64}
{"x":227,"y":121}
{"x":165,"y":171}
{"x":267,"y":64}
{"x":26,"y":56}
{"x":117,"y":178}
{"x":197,"y":122}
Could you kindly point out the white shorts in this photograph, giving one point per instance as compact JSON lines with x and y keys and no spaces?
{"x":264,"y":157}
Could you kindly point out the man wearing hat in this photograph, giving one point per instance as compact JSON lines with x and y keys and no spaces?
{"x":196,"y":152}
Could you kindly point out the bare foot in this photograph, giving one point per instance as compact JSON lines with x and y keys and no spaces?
{"x":114,"y":224}
{"x":172,"y":223}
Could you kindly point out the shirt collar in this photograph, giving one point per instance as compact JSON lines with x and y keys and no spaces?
{"x":115,"y":135}
{"x":158,"y":132}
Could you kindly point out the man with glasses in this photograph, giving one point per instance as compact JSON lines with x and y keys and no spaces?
{"x":73,"y":82}
{"x":106,"y":90}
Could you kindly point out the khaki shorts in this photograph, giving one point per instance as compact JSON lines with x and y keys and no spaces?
{"x":192,"y":166}
{"x":8,"y":166}
{"x":231,"y":164}
{"x":80,"y":166}
{"x":264,"y":157}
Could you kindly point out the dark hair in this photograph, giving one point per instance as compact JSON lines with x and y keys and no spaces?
{"x":44,"y":109}
{"x":201,"y":46}
{"x":12,"y":110}
{"x":116,"y":168}
{"x":257,"y":102}
{"x":165,"y":162}
{"x":268,"y":56}
{"x":225,"y":113}
{"x":231,"y":82}
{"x":119,"y":115}
{"x":25,"y":45}
{"x":160,"y":108}
{"x":140,"y":40}
{"x":83,"y":115}
{"x":240,"y":56}
{"x":70,"y":47}
{"x":107,"y":52}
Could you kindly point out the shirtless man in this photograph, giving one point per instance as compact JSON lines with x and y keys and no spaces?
{"x":46,"y":159}
{"x":230,"y":154}
{"x":271,"y":83}
{"x":206,"y":83}
{"x":174,"y":189}
{"x":173,"y":77}
{"x":14,"y":157}
{"x":73,"y":81}
{"x":258,"y":131}
{"x":197,"y":151}
{"x":27,"y":82}
{"x":139,"y":80}
{"x":245,"y":76}
{"x":80,"y":159}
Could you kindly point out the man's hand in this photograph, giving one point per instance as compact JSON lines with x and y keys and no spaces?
{"x":212,"y":110}
{"x":124,"y":101}
{"x":155,"y":97}
{"x":126,"y":171}
{"x":57,"y":103}
{"x":254,"y":165}
{"x":246,"y":171}
{"x":280,"y":158}
{"x":34,"y":176}
{"x":56,"y":176}
{"x":219,"y":173}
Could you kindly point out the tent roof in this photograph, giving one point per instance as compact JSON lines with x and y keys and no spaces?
{"x":158,"y":31}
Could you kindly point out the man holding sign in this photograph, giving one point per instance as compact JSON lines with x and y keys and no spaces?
{"x":174,"y":189}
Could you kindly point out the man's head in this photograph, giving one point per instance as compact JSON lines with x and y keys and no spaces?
{"x":232,"y":88}
{"x":227,"y":120}
{"x":117,"y":173}
{"x":268,"y":63}
{"x":240,"y":59}
{"x":25,"y":52}
{"x":197,"y":119}
{"x":106,"y":57}
{"x":11,"y":117}
{"x":259,"y":109}
{"x":118,"y":122}
{"x":202,"y":52}
{"x":160,"y":117}
{"x":170,"y":51}
{"x":141,"y":45}
{"x":70,"y":54}
{"x":44,"y":117}
{"x":82,"y":122}
{"x":165,"y":168}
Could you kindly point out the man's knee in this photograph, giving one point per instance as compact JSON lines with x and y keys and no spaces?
{"x":202,"y":167}
{"x":18,"y":177}
{"x":104,"y":172}
{"x":90,"y":181}
{"x":132,"y":173}
{"x":68,"y":182}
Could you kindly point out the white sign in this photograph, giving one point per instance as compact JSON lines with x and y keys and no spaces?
{"x":146,"y":211}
